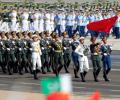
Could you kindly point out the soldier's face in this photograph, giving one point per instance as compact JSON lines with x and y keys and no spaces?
{"x":65,"y":36}
{"x":82,"y":41}
{"x":35,"y":39}
{"x":104,"y":40}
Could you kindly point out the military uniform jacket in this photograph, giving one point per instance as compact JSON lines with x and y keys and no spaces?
{"x":66,"y":45}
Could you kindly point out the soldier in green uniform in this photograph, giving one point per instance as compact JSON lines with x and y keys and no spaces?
{"x":25,"y":49}
{"x":10,"y":53}
{"x":58,"y":55}
{"x":52,"y":52}
{"x":66,"y":42}
{"x":95,"y":57}
{"x":48,"y":41}
{"x":44,"y":56}
{"x":20,"y":52}
{"x":29,"y":53}
{"x":2,"y":57}
{"x":14,"y":38}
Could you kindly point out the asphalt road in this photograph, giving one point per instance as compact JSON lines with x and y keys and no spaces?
{"x":26,"y":83}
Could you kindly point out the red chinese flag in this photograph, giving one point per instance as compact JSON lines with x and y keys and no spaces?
{"x":58,"y":96}
{"x":95,"y":96}
{"x":102,"y":25}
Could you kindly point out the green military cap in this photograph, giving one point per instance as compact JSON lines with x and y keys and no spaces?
{"x":64,"y":33}
{"x":30,"y":33}
{"x":53,"y":34}
{"x":46,"y":32}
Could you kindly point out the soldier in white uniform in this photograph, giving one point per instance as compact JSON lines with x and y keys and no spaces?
{"x":82,"y":51}
{"x":25,"y":22}
{"x":52,"y":15}
{"x":36,"y":53}
{"x":35,"y":23}
{"x":41,"y":21}
{"x":47,"y":22}
{"x":63,"y":22}
{"x":13,"y":18}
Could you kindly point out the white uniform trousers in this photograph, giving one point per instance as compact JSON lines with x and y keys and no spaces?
{"x":83,"y":64}
{"x":36,"y":59}
{"x":14,"y":25}
{"x":35,"y":26}
{"x":5,"y":27}
{"x":47,"y":27}
{"x":25,"y":25}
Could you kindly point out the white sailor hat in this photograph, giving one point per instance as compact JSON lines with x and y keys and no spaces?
{"x":82,"y":38}
{"x":33,"y":36}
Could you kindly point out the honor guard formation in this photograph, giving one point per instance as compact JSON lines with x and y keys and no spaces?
{"x":42,"y":40}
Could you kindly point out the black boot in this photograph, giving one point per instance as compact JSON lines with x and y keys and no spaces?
{"x":66,"y":70}
{"x":20,"y":69}
{"x":75,"y":73}
{"x":84,"y":73}
{"x":9,"y":70}
{"x":43,"y":71}
{"x":107,"y":72}
{"x":82,"y":77}
{"x":38,"y":71}
{"x":59,"y":69}
{"x":48,"y":68}
{"x":97,"y":72}
{"x":105,"y":76}
{"x":95,"y":77}
{"x":35,"y":75}
{"x":3,"y":69}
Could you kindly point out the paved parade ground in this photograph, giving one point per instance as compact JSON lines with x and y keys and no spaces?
{"x":25,"y":85}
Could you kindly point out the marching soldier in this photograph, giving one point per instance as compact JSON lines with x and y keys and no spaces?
{"x":58,"y":55}
{"x":20,"y":53}
{"x":2,"y":55}
{"x":66,"y":42}
{"x":48,"y":40}
{"x":52,"y":52}
{"x":74,"y":45}
{"x":25,"y":49}
{"x":47,"y":21}
{"x":35,"y":23}
{"x":95,"y":57}
{"x":36,"y":55}
{"x":82,"y":50}
{"x":10,"y":54}
{"x":41,"y":21}
{"x":29,"y":52}
{"x":106,"y":58}
{"x":13,"y":18}
{"x":45,"y":55}
{"x":25,"y":23}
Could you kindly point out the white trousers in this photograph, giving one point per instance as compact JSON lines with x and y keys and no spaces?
{"x":5,"y":27}
{"x":34,"y":26}
{"x":36,"y":59}
{"x":47,"y":27}
{"x":14,"y":25}
{"x":25,"y":25}
{"x":83,"y":64}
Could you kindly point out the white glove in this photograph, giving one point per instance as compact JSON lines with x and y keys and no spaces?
{"x":65,"y":48}
{"x":31,"y":49}
{"x":20,"y":49}
{"x":105,"y":54}
{"x":8,"y":49}
{"x":42,"y":48}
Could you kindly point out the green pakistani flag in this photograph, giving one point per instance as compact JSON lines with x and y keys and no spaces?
{"x":50,"y":85}
{"x":56,"y":84}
